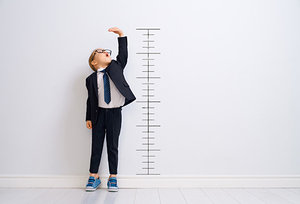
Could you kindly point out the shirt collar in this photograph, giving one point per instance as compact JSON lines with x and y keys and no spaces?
{"x":100,"y":69}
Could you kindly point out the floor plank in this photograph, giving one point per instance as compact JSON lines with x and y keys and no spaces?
{"x":171,"y":195}
{"x":218,"y":195}
{"x":242,"y":196}
{"x":147,"y":196}
{"x":267,"y":196}
{"x":287,"y":194}
{"x":195,"y":196}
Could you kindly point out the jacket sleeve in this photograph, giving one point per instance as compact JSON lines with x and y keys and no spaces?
{"x":122,"y":51}
{"x":88,"y":104}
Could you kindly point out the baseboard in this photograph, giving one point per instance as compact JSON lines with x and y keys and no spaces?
{"x":153,"y":181}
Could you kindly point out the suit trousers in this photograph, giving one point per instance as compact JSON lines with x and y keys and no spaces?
{"x":109,"y":122}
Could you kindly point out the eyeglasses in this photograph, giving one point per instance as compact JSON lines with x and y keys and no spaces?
{"x":101,"y":51}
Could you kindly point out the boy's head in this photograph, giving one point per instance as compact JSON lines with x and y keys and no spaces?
{"x":100,"y":58}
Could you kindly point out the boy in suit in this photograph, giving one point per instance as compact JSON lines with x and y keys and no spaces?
{"x":108,"y":92}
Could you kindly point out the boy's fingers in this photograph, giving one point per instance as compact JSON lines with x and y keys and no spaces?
{"x":89,"y":125}
{"x":114,"y":29}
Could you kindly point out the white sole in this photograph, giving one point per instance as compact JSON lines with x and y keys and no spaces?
{"x":91,"y":189}
{"x":113,"y":189}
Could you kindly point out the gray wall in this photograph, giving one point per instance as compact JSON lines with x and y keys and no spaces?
{"x":229,"y":85}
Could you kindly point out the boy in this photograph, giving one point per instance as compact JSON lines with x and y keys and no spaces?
{"x":108,"y":92}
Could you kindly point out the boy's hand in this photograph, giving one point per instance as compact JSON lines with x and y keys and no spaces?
{"x":117,"y":31}
{"x":89,"y":124}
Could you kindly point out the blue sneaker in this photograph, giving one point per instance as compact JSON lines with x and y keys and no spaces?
{"x":93,"y":183}
{"x":112,"y":184}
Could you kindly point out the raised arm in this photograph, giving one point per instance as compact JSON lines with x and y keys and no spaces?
{"x":122,"y":52}
{"x":122,"y":46}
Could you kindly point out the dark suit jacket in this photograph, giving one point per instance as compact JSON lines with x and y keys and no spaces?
{"x":115,"y":72}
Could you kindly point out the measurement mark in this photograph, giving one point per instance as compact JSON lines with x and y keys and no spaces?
{"x":148,"y":149}
{"x":141,"y":77}
{"x":148,"y":125}
{"x":148,"y":29}
{"x":148,"y":101}
{"x":148,"y":53}
{"x":154,"y":77}
{"x":147,"y":83}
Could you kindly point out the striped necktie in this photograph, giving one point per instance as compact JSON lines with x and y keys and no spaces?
{"x":106,"y":87}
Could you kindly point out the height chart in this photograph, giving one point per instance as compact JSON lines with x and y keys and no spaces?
{"x":148,"y":149}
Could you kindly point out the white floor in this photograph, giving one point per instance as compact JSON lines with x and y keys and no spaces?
{"x":153,"y":196}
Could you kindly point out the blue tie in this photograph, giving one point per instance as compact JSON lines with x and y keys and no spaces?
{"x":106,"y":87}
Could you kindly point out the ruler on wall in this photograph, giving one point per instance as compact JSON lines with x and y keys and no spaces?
{"x":148,"y":148}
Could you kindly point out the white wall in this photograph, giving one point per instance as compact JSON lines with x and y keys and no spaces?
{"x":237,"y":61}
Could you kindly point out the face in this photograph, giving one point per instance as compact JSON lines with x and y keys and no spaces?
{"x":101,"y":59}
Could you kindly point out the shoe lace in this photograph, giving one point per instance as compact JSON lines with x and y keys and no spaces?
{"x":91,"y":180}
{"x":112,"y":181}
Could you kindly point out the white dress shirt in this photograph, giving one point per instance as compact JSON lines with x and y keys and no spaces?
{"x":116,"y":98}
